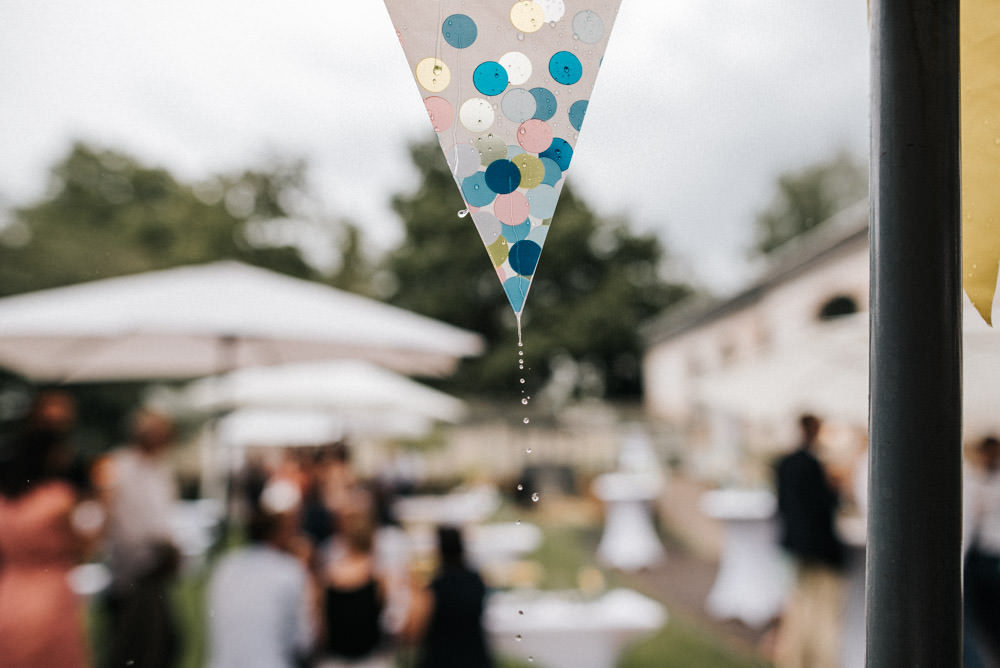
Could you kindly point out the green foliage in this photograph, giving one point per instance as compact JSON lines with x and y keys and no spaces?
{"x":805,"y":198}
{"x":107,"y":214}
{"x":595,"y":283}
{"x":683,"y":643}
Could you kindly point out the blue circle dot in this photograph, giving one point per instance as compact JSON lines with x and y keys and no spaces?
{"x":560,"y":152}
{"x":545,"y":103}
{"x":490,"y":78}
{"x":552,"y":171}
{"x":523,"y":257}
{"x":542,"y":199}
{"x":576,"y":113}
{"x":514,"y":233}
{"x":459,"y":31}
{"x":516,"y":288}
{"x":565,"y":68}
{"x":503,"y":176}
{"x":475,"y":191}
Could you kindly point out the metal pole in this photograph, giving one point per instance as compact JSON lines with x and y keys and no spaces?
{"x":914,"y":607}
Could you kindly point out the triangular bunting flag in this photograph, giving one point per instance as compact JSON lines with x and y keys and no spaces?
{"x":506,"y":85}
{"x":980,"y":55}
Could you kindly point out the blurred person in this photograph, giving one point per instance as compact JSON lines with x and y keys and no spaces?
{"x":343,"y":493}
{"x":261,"y":607}
{"x":448,"y":617}
{"x":810,"y":631}
{"x":41,"y":540}
{"x":354,"y":598}
{"x":981,"y":529}
{"x":317,"y":519}
{"x":139,"y":491}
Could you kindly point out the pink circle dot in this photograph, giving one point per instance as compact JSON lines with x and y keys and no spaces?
{"x":534,"y":135}
{"x":512,"y":208}
{"x":440,"y":112}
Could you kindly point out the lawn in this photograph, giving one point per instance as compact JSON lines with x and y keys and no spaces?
{"x":567,"y":552}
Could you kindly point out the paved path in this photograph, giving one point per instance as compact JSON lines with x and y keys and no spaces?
{"x":682,"y":582}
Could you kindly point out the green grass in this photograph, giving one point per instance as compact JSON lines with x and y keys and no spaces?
{"x":564,"y":551}
{"x":683,"y":644}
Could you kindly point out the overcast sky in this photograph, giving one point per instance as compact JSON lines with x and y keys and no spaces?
{"x":698,"y":105}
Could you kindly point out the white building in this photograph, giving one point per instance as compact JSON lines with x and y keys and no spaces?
{"x":694,"y":350}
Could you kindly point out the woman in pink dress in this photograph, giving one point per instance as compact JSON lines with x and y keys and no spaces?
{"x":41,"y":619}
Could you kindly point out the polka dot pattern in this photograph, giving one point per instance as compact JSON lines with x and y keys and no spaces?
{"x":531,"y":169}
{"x":433,"y":74}
{"x":545,"y":103}
{"x":518,"y":105}
{"x":518,"y":67}
{"x":503,"y":176}
{"x":523,"y":257}
{"x":588,"y":27}
{"x":527,"y":16}
{"x":506,"y":85}
{"x":515,"y":233}
{"x":475,"y":191}
{"x":534,"y":136}
{"x":440,"y":112}
{"x":560,"y":152}
{"x":477,"y":114}
{"x":577,"y":111}
{"x":490,"y":78}
{"x":459,"y":31}
{"x":565,"y":68}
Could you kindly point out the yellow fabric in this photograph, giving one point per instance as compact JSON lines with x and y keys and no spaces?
{"x":980,"y":57}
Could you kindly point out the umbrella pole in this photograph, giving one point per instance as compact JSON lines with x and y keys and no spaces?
{"x":227,"y":363}
{"x":914,"y":607}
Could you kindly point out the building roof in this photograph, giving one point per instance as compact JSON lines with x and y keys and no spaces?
{"x":843,"y":233}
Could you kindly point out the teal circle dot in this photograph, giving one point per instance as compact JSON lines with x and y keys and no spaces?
{"x":523,"y":257}
{"x":577,"y":111}
{"x":560,"y":151}
{"x":503,"y":176}
{"x":514,"y":233}
{"x":516,"y":288}
{"x":459,"y":31}
{"x":490,"y":78}
{"x":552,"y":171}
{"x":545,"y":103}
{"x":565,"y":68}
{"x":475,"y":191}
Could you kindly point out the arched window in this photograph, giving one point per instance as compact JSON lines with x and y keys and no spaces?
{"x":838,"y":306}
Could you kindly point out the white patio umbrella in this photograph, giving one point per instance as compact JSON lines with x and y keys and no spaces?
{"x":343,"y":387}
{"x":199,"y":320}
{"x":268,"y":427}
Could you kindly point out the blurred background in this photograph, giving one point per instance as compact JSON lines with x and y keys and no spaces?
{"x":705,"y":283}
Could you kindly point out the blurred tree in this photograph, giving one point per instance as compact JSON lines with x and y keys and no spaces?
{"x":106,"y":214}
{"x":595,"y":283}
{"x":806,"y":197}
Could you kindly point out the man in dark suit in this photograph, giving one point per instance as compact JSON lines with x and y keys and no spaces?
{"x":807,"y":503}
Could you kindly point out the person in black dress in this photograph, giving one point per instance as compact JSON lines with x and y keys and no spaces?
{"x":452,"y":623}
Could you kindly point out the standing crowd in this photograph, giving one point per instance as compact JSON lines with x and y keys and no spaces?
{"x":323,"y":578}
{"x":810,"y":494}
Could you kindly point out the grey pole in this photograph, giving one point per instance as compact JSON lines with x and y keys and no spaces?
{"x":914,"y":602}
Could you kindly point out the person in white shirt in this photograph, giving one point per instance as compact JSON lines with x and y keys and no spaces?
{"x":138,"y":489}
{"x":260,"y":603}
{"x":981,"y":538}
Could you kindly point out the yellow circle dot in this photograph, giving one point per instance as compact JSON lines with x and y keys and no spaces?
{"x":527,"y":16}
{"x":531,"y":168}
{"x":433,"y":74}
